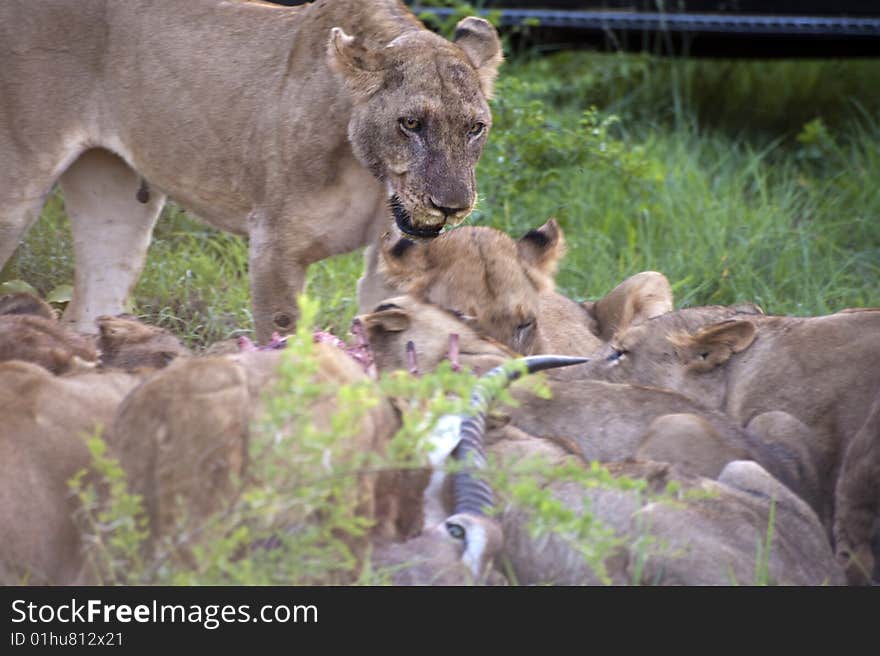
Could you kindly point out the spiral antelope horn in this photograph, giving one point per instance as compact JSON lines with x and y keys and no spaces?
{"x":472,"y":494}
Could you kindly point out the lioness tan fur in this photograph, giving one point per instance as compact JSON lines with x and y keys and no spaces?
{"x":857,"y":502}
{"x":46,"y":420}
{"x":707,"y":540}
{"x":291,"y":126}
{"x":184,"y":439}
{"x":824,"y":371}
{"x":506,"y":288}
{"x":706,"y":535}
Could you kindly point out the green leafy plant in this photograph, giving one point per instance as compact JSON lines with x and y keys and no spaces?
{"x":111,"y":519}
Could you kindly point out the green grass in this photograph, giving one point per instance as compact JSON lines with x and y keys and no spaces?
{"x":729,"y":212}
{"x":741,"y":181}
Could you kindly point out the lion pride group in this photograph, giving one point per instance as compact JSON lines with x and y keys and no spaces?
{"x":757,"y":437}
{"x":768,"y":427}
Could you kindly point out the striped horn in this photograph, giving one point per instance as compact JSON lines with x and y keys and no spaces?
{"x":471,"y":494}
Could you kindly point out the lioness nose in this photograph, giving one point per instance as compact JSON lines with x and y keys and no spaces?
{"x":447,"y":211}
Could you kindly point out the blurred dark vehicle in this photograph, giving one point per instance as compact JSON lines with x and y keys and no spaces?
{"x":728,"y":28}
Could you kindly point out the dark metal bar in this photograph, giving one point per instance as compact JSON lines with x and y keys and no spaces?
{"x":818,"y":26}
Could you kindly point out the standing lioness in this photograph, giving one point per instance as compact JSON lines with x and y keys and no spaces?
{"x":292,"y":126}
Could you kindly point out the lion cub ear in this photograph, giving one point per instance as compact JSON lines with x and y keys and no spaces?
{"x":360,"y":66}
{"x":387,"y":318}
{"x":543,"y":247}
{"x":712,"y":346}
{"x":479,"y":41}
{"x":401,"y":262}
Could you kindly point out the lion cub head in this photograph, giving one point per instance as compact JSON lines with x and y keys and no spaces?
{"x":480,"y":274}
{"x":420,"y":116}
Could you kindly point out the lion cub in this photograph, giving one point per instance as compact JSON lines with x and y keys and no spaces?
{"x":505,"y":289}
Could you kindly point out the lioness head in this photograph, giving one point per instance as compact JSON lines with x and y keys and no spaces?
{"x":687,"y":351}
{"x":420,"y":116}
{"x":482,"y":275}
{"x":401,"y":320}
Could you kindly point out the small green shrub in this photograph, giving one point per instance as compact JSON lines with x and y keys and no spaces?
{"x":110,"y":518}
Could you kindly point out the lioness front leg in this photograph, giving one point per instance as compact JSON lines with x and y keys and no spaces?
{"x":639,"y":297}
{"x":273,"y":298}
{"x":277,"y":277}
{"x":112,"y":215}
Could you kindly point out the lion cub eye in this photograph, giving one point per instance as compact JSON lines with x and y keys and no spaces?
{"x":410,"y":124}
{"x":476,"y":129}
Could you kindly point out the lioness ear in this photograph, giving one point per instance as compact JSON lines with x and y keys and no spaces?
{"x":393,"y":320}
{"x":479,"y":41}
{"x":360,"y":66}
{"x":543,"y":247}
{"x":712,"y":346}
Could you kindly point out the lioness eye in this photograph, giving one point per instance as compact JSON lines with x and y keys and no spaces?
{"x":476,"y":129}
{"x":461,"y":316}
{"x":455,"y":530}
{"x":411,"y":124}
